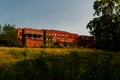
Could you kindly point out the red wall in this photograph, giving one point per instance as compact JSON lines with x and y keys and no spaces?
{"x":36,"y":38}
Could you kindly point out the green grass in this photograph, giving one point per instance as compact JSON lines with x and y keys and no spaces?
{"x":9,"y":55}
{"x":58,"y":64}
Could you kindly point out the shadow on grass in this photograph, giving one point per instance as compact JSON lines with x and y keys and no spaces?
{"x":73,"y":66}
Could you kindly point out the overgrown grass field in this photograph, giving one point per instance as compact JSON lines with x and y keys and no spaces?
{"x":9,"y":55}
{"x":58,"y":64}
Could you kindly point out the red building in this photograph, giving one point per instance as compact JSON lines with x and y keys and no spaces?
{"x":86,"y":41}
{"x":35,"y":38}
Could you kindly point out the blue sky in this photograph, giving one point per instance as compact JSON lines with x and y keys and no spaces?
{"x":65,"y":15}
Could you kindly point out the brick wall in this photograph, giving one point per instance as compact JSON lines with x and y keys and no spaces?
{"x":38,"y":37}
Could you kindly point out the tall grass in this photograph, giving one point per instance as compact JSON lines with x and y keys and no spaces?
{"x":19,"y":54}
{"x":61,"y":64}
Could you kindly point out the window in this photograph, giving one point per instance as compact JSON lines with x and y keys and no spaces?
{"x":28,"y":42}
{"x":42,"y":33}
{"x":32,"y":37}
{"x":20,"y":37}
{"x":41,"y":38}
{"x":21,"y":31}
{"x":34,"y":42}
{"x":27,"y":31}
{"x":65,"y":35}
{"x":52,"y":34}
{"x":38,"y":33}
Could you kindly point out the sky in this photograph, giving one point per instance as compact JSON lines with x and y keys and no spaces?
{"x":66,"y":15}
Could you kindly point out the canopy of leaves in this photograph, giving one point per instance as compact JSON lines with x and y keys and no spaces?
{"x":8,"y":36}
{"x":106,"y":26}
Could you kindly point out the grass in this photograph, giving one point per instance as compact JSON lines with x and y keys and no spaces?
{"x":58,"y":64}
{"x":8,"y":54}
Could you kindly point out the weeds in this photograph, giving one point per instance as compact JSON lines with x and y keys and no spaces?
{"x":77,"y":65}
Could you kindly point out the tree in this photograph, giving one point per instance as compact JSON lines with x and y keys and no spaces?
{"x":106,"y":25}
{"x":0,"y":29}
{"x":8,"y":37}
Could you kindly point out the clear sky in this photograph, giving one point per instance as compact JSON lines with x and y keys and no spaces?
{"x":65,"y":15}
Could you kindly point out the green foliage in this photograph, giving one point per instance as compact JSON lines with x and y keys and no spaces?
{"x":106,"y":27}
{"x":53,"y":46}
{"x":0,"y":29}
{"x":8,"y":36}
{"x":73,"y":66}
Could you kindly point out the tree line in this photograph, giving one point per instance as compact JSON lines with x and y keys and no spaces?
{"x":8,"y":36}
